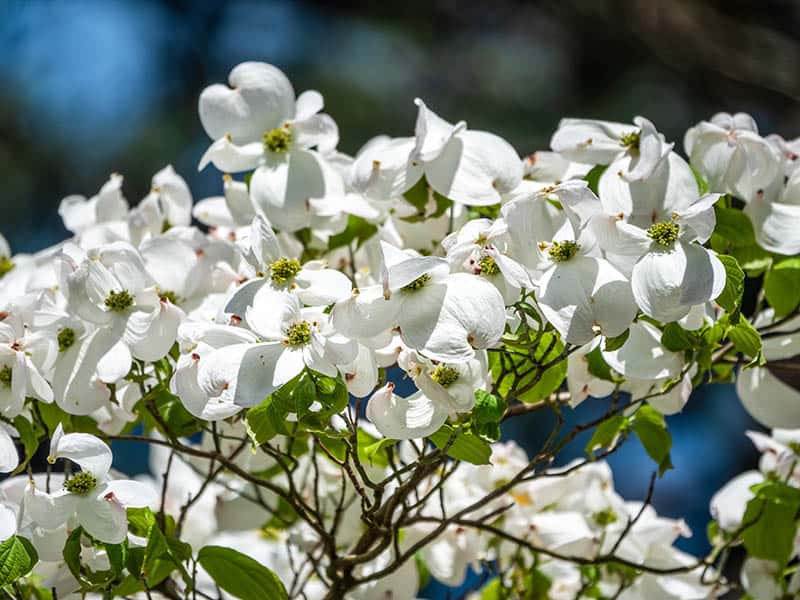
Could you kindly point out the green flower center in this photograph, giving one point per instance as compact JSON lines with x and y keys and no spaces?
{"x":168,"y":295}
{"x":283,"y":269}
{"x":6,"y":265}
{"x":80,"y":483}
{"x":605,"y":517}
{"x":5,"y":376}
{"x":418,"y":283}
{"x":664,"y":233}
{"x":445,"y":376}
{"x":561,"y":251}
{"x":66,"y":337}
{"x":299,"y":334}
{"x":488,"y":266}
{"x":118,"y":301}
{"x":631,"y":140}
{"x":278,"y":140}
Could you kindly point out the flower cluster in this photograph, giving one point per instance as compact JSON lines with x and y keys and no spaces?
{"x":257,"y":342}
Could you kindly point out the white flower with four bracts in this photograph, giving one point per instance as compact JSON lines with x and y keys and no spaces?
{"x":91,"y":498}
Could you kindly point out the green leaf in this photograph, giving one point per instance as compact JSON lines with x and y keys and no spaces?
{"x":702,"y":186}
{"x":17,"y":558}
{"x":753,"y":259}
{"x":536,"y":585}
{"x":782,"y":286}
{"x":265,"y":421}
{"x":488,"y":407}
{"x":29,"y":439}
{"x":734,"y":227}
{"x":777,"y":491}
{"x":606,"y":433}
{"x":549,"y":349}
{"x":117,"y":555}
{"x":332,"y":394}
{"x":615,"y":343}
{"x":72,"y":553}
{"x":140,"y":520}
{"x":486,"y":415}
{"x":158,"y":563}
{"x":179,"y":421}
{"x":771,"y":537}
{"x":466,"y":446}
{"x":374,"y":453}
{"x":129,"y":586}
{"x":303,"y":394}
{"x":676,"y":338}
{"x":593,"y":177}
{"x":731,"y":297}
{"x":419,"y":197}
{"x":240,"y":575}
{"x":651,"y":429}
{"x":746,"y":339}
{"x":599,"y":368}
{"x":357,"y":230}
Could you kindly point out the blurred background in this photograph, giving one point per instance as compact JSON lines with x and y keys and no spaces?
{"x":96,"y":86}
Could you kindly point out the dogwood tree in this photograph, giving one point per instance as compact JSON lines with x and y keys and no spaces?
{"x":257,"y":343}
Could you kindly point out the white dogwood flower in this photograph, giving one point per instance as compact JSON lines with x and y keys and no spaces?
{"x":466,"y":166}
{"x":444,"y":316}
{"x":90,"y":498}
{"x":655,"y":230}
{"x":731,"y":155}
{"x":257,"y":123}
{"x":604,"y":142}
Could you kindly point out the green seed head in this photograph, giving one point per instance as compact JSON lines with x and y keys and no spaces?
{"x":418,"y":283}
{"x":605,"y":517}
{"x":562,"y":251}
{"x":5,"y":376}
{"x":663,"y":233}
{"x":283,"y":269}
{"x":80,"y":483}
{"x":66,"y":337}
{"x":631,"y":140}
{"x":488,"y":266}
{"x":278,"y":140}
{"x":119,"y":301}
{"x":444,"y":375}
{"x":6,"y":265}
{"x":299,"y":334}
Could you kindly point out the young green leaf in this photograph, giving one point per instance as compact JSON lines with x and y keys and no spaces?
{"x":17,"y":558}
{"x":782,"y":286}
{"x":240,"y":575}
{"x":651,"y":429}
{"x":606,"y":434}
{"x":746,"y":339}
{"x":466,"y":446}
{"x":731,"y":297}
{"x":615,"y":343}
{"x":771,"y":536}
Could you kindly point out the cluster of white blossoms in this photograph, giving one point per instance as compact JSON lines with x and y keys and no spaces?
{"x":256,"y":342}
